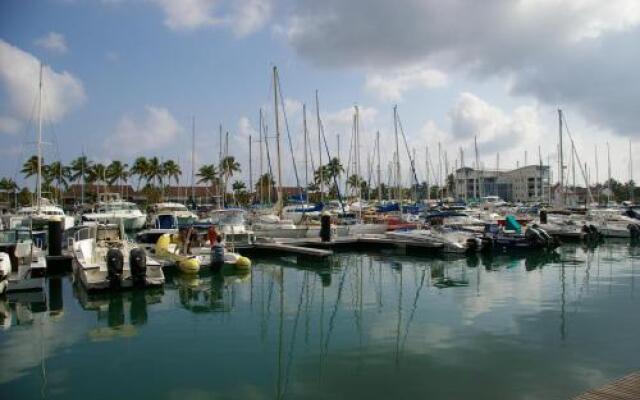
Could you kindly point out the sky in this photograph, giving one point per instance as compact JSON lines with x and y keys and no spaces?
{"x":127,"y":78}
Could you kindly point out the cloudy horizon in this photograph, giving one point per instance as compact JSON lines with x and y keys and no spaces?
{"x":125,"y":78}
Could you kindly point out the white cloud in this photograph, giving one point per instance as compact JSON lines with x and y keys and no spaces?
{"x":250,"y":16}
{"x":392,"y":86}
{"x":19,"y":73}
{"x":188,"y":14}
{"x":54,"y":42}
{"x":9,"y":125}
{"x":558,"y":51}
{"x":243,"y":17}
{"x":156,"y":129}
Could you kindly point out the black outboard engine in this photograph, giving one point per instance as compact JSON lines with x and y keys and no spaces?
{"x":115,"y":265}
{"x":138,"y":266}
{"x":634,"y":231}
{"x":533,"y":235}
{"x":543,"y":216}
{"x":594,"y":231}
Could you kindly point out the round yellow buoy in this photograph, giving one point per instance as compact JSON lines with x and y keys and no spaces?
{"x":243,"y":263}
{"x":189,"y":265}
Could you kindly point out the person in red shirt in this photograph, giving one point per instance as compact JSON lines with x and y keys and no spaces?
{"x":212,"y":235}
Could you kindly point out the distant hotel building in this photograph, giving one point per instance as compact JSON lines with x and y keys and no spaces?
{"x":529,"y":183}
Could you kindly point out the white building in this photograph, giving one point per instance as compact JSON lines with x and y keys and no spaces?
{"x":525,"y":184}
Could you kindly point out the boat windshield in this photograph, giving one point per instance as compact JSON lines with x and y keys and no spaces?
{"x":108,"y":207}
{"x":227,"y":217}
{"x":14,"y":236}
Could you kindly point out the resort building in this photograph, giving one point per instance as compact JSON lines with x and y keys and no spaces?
{"x":524,"y":184}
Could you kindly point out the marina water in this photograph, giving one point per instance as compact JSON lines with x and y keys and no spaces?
{"x":362,"y":326}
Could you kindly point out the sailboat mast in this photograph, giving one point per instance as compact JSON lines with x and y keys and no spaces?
{"x":477,"y":180}
{"x":379,"y":174}
{"x":261,"y":161}
{"x":250,"y":168}
{"x":609,"y":174}
{"x":357,"y":157}
{"x":275,"y":102}
{"x":306,"y":150}
{"x":562,"y":199}
{"x":193,"y":157}
{"x":39,"y":176}
{"x":595,"y":149}
{"x":427,"y":172}
{"x":321,"y":171}
{"x":631,"y":184}
{"x":395,"y":128}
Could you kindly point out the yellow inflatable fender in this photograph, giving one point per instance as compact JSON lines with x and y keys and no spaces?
{"x":162,"y":245}
{"x":189,"y":265}
{"x":243,"y":263}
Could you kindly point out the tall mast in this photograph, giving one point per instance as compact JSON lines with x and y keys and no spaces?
{"x":357,"y":157}
{"x":250,"y":168}
{"x":609,"y":173}
{"x":595,"y":149}
{"x":261,"y":162}
{"x":379,"y":174}
{"x":321,"y":172}
{"x":218,"y":186}
{"x":193,"y":157}
{"x":306,"y":150}
{"x":39,"y":176}
{"x":426,"y":161}
{"x":562,"y":199}
{"x":275,"y":102}
{"x":477,"y":180}
{"x":631,"y":184}
{"x":395,"y":128}
{"x":440,"y":171}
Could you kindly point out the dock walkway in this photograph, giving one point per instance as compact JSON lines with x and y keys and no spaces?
{"x":625,"y":388}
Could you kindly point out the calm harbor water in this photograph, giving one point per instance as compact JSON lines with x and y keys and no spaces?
{"x":370,"y":326}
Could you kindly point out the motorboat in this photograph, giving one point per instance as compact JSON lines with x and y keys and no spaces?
{"x":271,"y":226}
{"x":231,"y":222}
{"x":182,"y":214}
{"x":22,"y":262}
{"x":38,"y":217}
{"x":111,"y":210}
{"x":172,"y":250}
{"x":105,"y":259}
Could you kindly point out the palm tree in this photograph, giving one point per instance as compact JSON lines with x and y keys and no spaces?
{"x":8,"y":185}
{"x":334,"y":168}
{"x":80,"y":168}
{"x":140,"y":168}
{"x":238,"y":186}
{"x":30,"y":167}
{"x":59,"y":173}
{"x":208,"y":174}
{"x":264,"y":185}
{"x":117,"y":172}
{"x":228,"y":166}
{"x":154,"y":170}
{"x":171,"y":170}
{"x":97,"y":174}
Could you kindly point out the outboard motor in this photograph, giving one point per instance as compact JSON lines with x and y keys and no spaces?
{"x":138,"y":266}
{"x":543,"y":216}
{"x":115,"y":265}
{"x":533,"y":235}
{"x":594,"y":231}
{"x":634,"y":231}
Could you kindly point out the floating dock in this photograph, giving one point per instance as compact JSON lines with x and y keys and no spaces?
{"x":625,"y":388}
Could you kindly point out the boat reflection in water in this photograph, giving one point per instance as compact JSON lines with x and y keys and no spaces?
{"x":118,"y":313}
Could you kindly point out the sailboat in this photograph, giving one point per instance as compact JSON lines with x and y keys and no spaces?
{"x":39,"y":215}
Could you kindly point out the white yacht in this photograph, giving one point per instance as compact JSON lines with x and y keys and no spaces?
{"x":271,"y":226}
{"x":232,"y":223}
{"x":22,"y":263}
{"x":105,"y":259}
{"x":182,"y":214}
{"x":34,"y":216}
{"x":111,"y":210}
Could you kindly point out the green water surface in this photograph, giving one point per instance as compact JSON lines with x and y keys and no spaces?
{"x":362,"y":326}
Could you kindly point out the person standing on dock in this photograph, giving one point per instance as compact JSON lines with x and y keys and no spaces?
{"x":212,"y":235}
{"x":217,"y":254}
